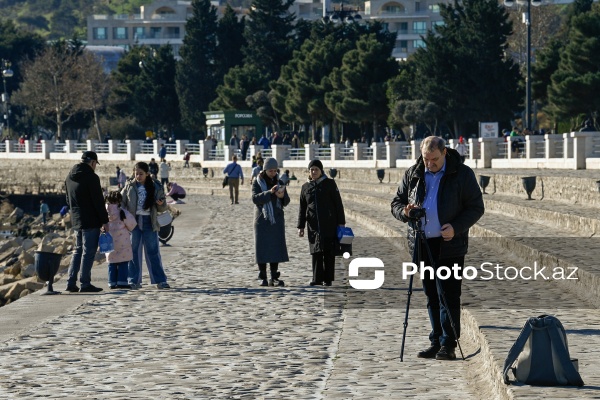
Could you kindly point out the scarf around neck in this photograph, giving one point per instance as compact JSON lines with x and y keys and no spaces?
{"x":267,"y":208}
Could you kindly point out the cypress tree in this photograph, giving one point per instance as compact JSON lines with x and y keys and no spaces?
{"x":463,"y":69}
{"x":196,"y":72}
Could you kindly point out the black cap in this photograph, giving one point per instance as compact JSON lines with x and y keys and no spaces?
{"x":88,"y":156}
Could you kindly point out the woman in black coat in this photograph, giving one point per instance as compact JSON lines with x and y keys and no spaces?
{"x":322,"y":210}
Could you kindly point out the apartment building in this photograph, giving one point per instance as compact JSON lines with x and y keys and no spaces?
{"x":410,"y":19}
{"x":164,"y":21}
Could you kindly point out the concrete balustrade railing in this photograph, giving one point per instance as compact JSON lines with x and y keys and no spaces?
{"x":574,"y":150}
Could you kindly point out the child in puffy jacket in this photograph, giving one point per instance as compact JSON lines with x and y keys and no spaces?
{"x":120,"y":224}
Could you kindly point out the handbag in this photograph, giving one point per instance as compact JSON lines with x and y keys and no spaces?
{"x":105,"y":242}
{"x":345,"y":236}
{"x":225,"y":181}
{"x":164,"y":218}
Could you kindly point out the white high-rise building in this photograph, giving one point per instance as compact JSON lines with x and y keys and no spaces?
{"x":164,"y":22}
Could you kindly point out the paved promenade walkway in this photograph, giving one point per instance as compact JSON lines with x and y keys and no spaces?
{"x":217,"y":334}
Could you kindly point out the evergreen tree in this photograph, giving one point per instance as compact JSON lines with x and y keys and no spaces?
{"x":547,"y":59}
{"x":576,"y":83}
{"x":546,"y":64}
{"x":196,"y":73}
{"x":230,"y":41}
{"x":127,"y":77}
{"x":155,"y":99}
{"x":399,"y":88}
{"x":462,"y":69}
{"x":145,"y":88}
{"x":269,"y":35}
{"x":359,"y":85}
{"x":260,"y":101}
{"x":16,"y":46}
{"x":299,"y":93}
{"x":238,"y":82}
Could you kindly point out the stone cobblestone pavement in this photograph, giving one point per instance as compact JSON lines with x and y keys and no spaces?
{"x":500,"y":308}
{"x":216,"y":334}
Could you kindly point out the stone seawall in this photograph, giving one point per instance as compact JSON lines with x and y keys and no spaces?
{"x":42,"y":176}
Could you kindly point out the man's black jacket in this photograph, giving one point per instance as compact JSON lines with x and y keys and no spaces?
{"x":460,"y":202}
{"x":85,"y":198}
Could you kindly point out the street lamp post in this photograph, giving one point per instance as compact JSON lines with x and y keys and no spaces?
{"x":6,"y":73}
{"x":527,"y":22}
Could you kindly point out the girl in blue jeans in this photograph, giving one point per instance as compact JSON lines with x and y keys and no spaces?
{"x":144,"y":197}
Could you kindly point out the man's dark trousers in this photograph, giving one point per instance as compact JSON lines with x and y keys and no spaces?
{"x":442,"y":333}
{"x":83,"y":257}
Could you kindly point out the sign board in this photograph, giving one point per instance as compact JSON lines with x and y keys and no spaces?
{"x":488,"y":129}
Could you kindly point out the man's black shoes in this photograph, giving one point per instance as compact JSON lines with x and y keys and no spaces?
{"x":90,"y":289}
{"x":72,"y":289}
{"x":430,"y":352}
{"x":446,"y":353}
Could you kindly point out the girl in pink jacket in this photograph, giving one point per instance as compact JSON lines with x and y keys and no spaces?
{"x":120,"y":224}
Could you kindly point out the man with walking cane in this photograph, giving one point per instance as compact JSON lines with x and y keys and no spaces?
{"x":443,"y":195}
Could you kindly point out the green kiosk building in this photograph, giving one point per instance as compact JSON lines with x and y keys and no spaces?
{"x":224,"y":124}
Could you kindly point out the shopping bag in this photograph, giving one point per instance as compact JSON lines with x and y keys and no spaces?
{"x":106,"y":243}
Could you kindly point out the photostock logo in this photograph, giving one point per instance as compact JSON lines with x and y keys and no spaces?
{"x":365,"y":262}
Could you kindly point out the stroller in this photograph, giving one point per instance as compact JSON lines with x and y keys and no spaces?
{"x":166,"y":232}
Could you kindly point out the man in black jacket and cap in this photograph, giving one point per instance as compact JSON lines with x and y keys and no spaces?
{"x":88,"y":215}
{"x":448,"y":191}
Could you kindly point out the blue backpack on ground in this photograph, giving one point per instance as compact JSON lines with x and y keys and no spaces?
{"x":541,"y":355}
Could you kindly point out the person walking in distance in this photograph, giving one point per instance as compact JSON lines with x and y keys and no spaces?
{"x":162,"y":152}
{"x":164,"y":169}
{"x":447,"y":190}
{"x":88,"y":216}
{"x":186,"y":158}
{"x":322,"y":210}
{"x":44,"y":210}
{"x":122,"y":179}
{"x":236,"y":178}
{"x":270,"y":196}
{"x":244,"y":145}
{"x":258,"y":168}
{"x":153,"y":168}
{"x":144,"y":197}
{"x":461,"y":148}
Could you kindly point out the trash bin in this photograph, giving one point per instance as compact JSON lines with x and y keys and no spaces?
{"x":46,"y":266}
